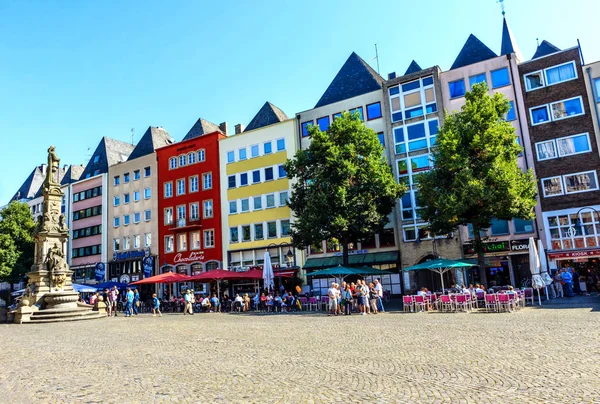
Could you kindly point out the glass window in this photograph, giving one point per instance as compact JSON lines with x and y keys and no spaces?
{"x":182,"y":242}
{"x":230,"y":156}
{"x":201,"y":156}
{"x":374,"y":111}
{"x":323,"y":123}
{"x":285,"y":228}
{"x":207,"y":181}
{"x":394,"y":90}
{"x":381,"y":138}
{"x":281,"y":169}
{"x":552,"y":186}
{"x":182,"y":160}
{"x":232,"y":207}
{"x":116,"y":201}
{"x":428,"y":81}
{"x":478,"y":78}
{"x":169,"y":241}
{"x":126,"y":220}
{"x":499,"y":227}
{"x":267,"y":147}
{"x":172,"y":163}
{"x":567,"y":108}
{"x":194,"y":183}
{"x":243,"y":179}
{"x":546,"y":150}
{"x":136,"y":175}
{"x":181,"y":212}
{"x":271,"y":201}
{"x":568,"y":146}
{"x":116,"y":244}
{"x":254,"y":150}
{"x":180,"y":187}
{"x":360,"y":112}
{"x":255,"y":176}
{"x":136,"y":196}
{"x":268,"y":173}
{"x":231,"y":181}
{"x":500,"y":77}
{"x":337,"y":115}
{"x":281,"y":144}
{"x":147,"y":193}
{"x":137,"y":217}
{"x":539,"y":115}
{"x":168,"y":216}
{"x":413,"y":85}
{"x":259,"y":231}
{"x":147,"y":239}
{"x":512,"y":114}
{"x":305,"y":127}
{"x":168,"y":189}
{"x":147,"y":171}
{"x":415,"y":131}
{"x":233,"y":235}
{"x":597,"y":89}
{"x":534,"y":80}
{"x":413,"y":113}
{"x":126,"y":178}
{"x":242,"y":154}
{"x":412,"y":99}
{"x":194,"y":211}
{"x":271,"y":229}
{"x":116,"y":221}
{"x":580,"y":182}
{"x":457,"y":88}
{"x":257,"y":202}
{"x":209,"y":238}
{"x":126,"y":198}
{"x":191,"y":158}
{"x":195,"y":240}
{"x":116,"y":180}
{"x":246,"y":233}
{"x":283,"y":198}
{"x":558,"y":74}
{"x":208,"y":209}
{"x":245,"y":205}
{"x":523,"y":226}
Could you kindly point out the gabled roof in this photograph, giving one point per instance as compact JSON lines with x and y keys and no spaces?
{"x":473,"y":51}
{"x":508,"y":45}
{"x":355,"y":78}
{"x":32,"y":184}
{"x":108,"y":153}
{"x":413,"y":68}
{"x":72,"y":174}
{"x":150,"y":141}
{"x":545,"y":48}
{"x":267,"y":115}
{"x":201,"y":127}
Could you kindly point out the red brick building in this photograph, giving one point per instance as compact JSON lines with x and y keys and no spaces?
{"x":189,"y":206}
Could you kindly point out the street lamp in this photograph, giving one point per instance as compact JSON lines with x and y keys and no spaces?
{"x":579,"y":223}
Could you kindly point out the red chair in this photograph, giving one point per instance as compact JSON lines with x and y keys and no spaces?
{"x":420,"y":302}
{"x":480,"y":298}
{"x":313,"y":303}
{"x":491,"y":303}
{"x":529,"y":295}
{"x":408,"y":303}
{"x":446,"y":303}
{"x":461,"y":302}
{"x":433,"y":299}
{"x":504,"y":301}
{"x":303,"y":303}
{"x":324,"y":302}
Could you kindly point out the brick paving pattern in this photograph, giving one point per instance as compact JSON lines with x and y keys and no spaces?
{"x":547,"y":355}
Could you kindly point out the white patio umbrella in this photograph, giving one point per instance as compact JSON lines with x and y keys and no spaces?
{"x":534,"y":267}
{"x":268,"y":275}
{"x":544,"y":267}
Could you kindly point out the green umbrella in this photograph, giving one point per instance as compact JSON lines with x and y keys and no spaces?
{"x":336,"y":271}
{"x":440,"y":266}
{"x":372,"y":271}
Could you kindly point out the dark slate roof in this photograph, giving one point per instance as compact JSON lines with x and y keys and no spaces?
{"x":109,"y":153}
{"x":31,"y":185}
{"x":545,"y":48}
{"x":267,"y":115}
{"x":72,"y":174}
{"x":152,"y":140}
{"x":201,"y":127}
{"x":355,"y":78}
{"x":413,"y":68}
{"x":474,"y":51}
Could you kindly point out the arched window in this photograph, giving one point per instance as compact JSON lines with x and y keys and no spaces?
{"x":172,"y":163}
{"x":167,"y":268}
{"x":182,"y":160}
{"x":201,"y":156}
{"x":196,"y":268}
{"x":212,"y":265}
{"x":191,"y":158}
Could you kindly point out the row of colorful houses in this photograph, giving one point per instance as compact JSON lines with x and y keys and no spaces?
{"x":217,"y":199}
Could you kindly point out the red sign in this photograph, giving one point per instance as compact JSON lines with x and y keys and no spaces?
{"x":574,"y":254}
{"x":194,"y":256}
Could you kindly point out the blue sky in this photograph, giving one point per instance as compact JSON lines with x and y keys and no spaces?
{"x":74,"y":71}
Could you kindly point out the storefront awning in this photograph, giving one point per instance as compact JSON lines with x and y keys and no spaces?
{"x":387,"y":257}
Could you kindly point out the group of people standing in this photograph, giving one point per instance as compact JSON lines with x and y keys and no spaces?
{"x":567,"y":282}
{"x":360,"y":296}
{"x":130,"y":300}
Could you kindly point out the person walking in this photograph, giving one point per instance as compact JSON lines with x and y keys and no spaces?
{"x":558,"y":287}
{"x":129,"y":303}
{"x":136,"y":302}
{"x":333,"y":295}
{"x":347,"y":300}
{"x":567,"y":279}
{"x":105,"y":298}
{"x":187,"y":297}
{"x":155,"y":306}
{"x":364,"y":297}
{"x":113,"y":297}
{"x":379,"y":289}
{"x":373,"y":297}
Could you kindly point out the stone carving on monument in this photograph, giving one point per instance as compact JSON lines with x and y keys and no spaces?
{"x":49,"y":295}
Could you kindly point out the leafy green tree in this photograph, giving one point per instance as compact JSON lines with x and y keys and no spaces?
{"x":344,"y":187}
{"x":16,"y":241}
{"x":475,"y":176}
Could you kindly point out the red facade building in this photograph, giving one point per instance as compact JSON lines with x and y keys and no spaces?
{"x":189,"y":205}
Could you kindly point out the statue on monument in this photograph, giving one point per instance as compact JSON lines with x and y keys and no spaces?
{"x":53,"y":164}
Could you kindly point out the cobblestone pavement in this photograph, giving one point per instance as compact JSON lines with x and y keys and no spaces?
{"x":538,"y":355}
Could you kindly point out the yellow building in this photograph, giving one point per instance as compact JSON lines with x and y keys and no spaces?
{"x":254,"y":192}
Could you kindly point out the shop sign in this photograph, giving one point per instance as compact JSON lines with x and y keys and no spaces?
{"x":488,"y":247}
{"x":148,"y":266}
{"x":124,"y":278}
{"x":99,"y":272}
{"x":192,"y":257}
{"x":574,"y":254}
{"x":114,"y":279}
{"x":135,"y":278}
{"x":353,"y":252}
{"x":125,"y":255}
{"x":519,"y":245}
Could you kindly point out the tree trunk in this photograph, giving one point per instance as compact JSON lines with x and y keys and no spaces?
{"x":345,"y":242}
{"x":478,"y":244}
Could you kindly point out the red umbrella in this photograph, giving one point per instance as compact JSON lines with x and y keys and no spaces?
{"x":215,"y":275}
{"x":167,"y":277}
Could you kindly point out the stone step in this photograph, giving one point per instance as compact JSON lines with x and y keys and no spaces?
{"x":62,"y":310}
{"x":42,"y":315}
{"x":93,"y":316}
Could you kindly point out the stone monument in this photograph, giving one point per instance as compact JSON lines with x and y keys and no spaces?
{"x":49,"y":295}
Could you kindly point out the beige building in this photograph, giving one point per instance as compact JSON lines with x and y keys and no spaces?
{"x":132,"y":211}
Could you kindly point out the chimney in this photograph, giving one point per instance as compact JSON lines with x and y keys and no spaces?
{"x":391,"y":75}
{"x":224,"y":128}
{"x":239,"y":128}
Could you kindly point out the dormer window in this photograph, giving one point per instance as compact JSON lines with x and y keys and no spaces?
{"x":96,"y":159}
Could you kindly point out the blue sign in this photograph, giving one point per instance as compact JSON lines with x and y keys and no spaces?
{"x":148,"y":266}
{"x":100,"y":271}
{"x":119,"y":256}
